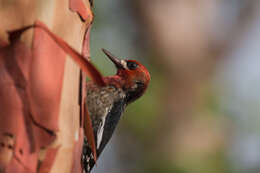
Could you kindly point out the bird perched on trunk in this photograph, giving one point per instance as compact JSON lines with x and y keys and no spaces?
{"x":106,"y":97}
{"x":106,"y":104}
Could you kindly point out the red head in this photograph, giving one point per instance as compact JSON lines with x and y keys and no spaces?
{"x":131,"y":76}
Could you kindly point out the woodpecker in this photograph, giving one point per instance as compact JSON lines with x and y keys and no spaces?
{"x":105,"y":105}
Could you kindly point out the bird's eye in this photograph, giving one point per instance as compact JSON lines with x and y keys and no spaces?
{"x":131,"y":65}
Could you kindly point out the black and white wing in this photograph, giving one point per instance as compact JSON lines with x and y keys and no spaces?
{"x":103,"y":133}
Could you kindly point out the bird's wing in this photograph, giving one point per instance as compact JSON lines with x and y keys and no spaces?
{"x":103,"y":133}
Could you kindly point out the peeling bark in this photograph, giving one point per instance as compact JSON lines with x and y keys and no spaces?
{"x":40,"y":127}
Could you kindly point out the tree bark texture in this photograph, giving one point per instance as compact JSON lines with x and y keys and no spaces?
{"x":40,"y":88}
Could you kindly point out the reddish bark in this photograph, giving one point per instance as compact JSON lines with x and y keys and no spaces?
{"x":30,"y":90}
{"x":79,"y":7}
{"x":28,"y":134}
{"x":48,"y":161}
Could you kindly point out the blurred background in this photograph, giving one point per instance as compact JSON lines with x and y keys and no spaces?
{"x":201,"y":112}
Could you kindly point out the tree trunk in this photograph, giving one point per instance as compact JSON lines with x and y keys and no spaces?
{"x":40,"y":87}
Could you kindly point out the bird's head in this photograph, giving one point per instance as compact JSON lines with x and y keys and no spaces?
{"x":134,"y":77}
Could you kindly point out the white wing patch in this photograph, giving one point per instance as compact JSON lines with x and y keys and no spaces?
{"x":123,"y":62}
{"x":101,"y":129}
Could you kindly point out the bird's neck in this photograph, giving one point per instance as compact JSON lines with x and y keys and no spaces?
{"x":132,"y":94}
{"x":115,"y":80}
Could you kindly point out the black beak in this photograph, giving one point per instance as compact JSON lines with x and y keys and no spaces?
{"x":118,"y":63}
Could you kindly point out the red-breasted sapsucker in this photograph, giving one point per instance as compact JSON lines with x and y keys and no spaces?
{"x":106,"y":104}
